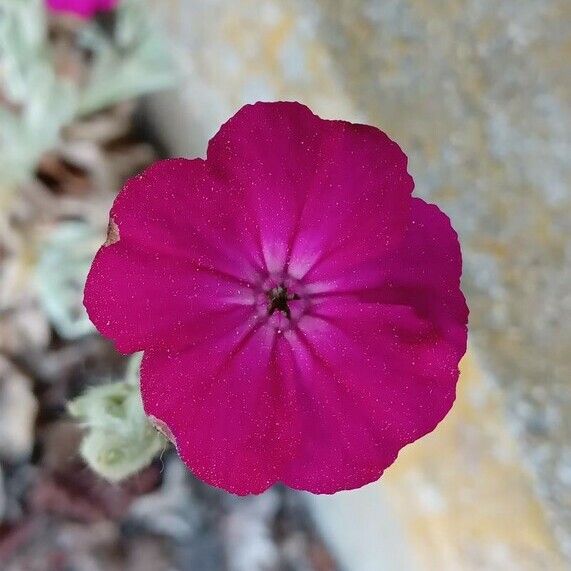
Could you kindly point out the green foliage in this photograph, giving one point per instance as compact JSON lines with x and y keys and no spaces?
{"x":39,"y":103}
{"x":134,"y":60}
{"x":120,"y":440}
{"x":61,"y":273}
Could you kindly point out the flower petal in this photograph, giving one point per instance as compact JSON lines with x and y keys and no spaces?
{"x":381,"y":363}
{"x":166,"y":279}
{"x":175,"y":207}
{"x":228,"y":405}
{"x":314,"y":185}
{"x":81,"y":8}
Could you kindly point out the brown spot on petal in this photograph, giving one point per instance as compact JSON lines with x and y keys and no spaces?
{"x":112,"y":233}
{"x":163,"y":429}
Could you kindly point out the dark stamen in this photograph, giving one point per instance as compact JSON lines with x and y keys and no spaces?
{"x":278,"y":299}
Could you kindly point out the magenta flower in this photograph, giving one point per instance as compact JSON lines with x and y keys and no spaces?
{"x":300,"y":312}
{"x":82,"y":8}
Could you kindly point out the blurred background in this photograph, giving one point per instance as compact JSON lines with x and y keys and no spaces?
{"x":478,"y":94}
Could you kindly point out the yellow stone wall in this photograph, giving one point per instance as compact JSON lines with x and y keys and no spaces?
{"x":463,"y":493}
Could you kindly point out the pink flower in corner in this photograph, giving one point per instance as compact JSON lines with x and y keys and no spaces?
{"x":82,"y":8}
{"x":300,"y":312}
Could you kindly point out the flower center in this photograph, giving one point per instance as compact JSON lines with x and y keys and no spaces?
{"x":278,"y":298}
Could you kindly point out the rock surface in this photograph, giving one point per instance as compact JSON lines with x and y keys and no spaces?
{"x":18,"y":409}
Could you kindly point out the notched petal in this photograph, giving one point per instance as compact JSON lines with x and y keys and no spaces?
{"x":162,"y":428}
{"x":112,"y":233}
